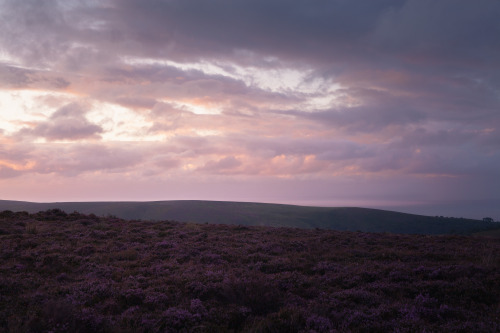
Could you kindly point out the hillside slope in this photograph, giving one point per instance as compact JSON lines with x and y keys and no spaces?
{"x":276,"y":215}
{"x":82,"y":273}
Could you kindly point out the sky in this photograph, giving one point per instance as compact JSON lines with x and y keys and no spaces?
{"x":386,"y":104}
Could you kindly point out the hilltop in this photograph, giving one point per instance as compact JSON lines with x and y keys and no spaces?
{"x":264,"y":214}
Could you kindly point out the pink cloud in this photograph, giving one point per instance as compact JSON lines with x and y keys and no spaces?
{"x":389,"y":94}
{"x":226,"y":165}
{"x":67,"y":123}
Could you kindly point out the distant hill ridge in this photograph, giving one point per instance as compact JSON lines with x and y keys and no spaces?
{"x":264,"y":214}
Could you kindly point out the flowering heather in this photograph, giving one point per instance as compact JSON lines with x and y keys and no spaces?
{"x":82,"y":273}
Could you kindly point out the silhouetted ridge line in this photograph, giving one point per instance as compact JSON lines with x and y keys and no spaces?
{"x":264,"y":214}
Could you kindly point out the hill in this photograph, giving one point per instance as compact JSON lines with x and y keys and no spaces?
{"x":262,"y":214}
{"x":83,"y":273}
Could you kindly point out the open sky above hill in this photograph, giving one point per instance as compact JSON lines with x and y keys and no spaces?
{"x":391,"y":103}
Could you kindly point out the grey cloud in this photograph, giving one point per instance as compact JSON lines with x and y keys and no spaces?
{"x":33,"y":30}
{"x":490,"y":140}
{"x":191,"y":30}
{"x":136,"y":102}
{"x":422,"y":137}
{"x":74,"y":159}
{"x":418,"y":74}
{"x":324,"y":149}
{"x":197,"y":29}
{"x":224,"y":165}
{"x":6,"y":172}
{"x":410,"y":33}
{"x":456,"y":161}
{"x":13,"y":77}
{"x":445,"y":32}
{"x":17,"y":153}
{"x":167,"y":117}
{"x":322,"y":31}
{"x":143,"y":86}
{"x":419,"y":153}
{"x":436,"y":44}
{"x":166,"y":163}
{"x":369,"y":118}
{"x":67,"y":123}
{"x":163,"y":81}
{"x":53,"y":33}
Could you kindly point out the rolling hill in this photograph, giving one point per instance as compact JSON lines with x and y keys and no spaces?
{"x":263,"y":214}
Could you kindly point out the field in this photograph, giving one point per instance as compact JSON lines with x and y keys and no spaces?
{"x":64,"y":272}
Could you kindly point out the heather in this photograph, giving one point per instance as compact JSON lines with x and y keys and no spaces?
{"x":265,"y":214}
{"x":64,"y":272}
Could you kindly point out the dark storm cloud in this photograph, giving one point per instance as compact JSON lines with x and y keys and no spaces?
{"x":411,"y":33}
{"x":278,"y":28}
{"x":330,"y":32}
{"x":446,"y":33}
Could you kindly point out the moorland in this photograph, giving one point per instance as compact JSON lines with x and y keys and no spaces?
{"x":265,"y":214}
{"x":73,"y":272}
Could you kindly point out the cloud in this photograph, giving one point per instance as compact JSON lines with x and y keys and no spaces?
{"x":67,"y":123}
{"x":13,"y":77}
{"x":430,"y":36}
{"x":232,"y":90}
{"x":225,"y":28}
{"x":442,"y":33}
{"x":69,"y":159}
{"x":369,"y":118}
{"x":75,"y":159}
{"x":227,"y":164}
{"x":6,"y":172}
{"x":323,"y":31}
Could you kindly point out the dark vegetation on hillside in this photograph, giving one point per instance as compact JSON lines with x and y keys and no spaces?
{"x":82,"y":273}
{"x":262,"y":214}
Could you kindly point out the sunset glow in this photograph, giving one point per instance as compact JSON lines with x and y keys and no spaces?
{"x":386,"y":104}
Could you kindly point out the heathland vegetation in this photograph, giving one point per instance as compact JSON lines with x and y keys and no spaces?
{"x":261,"y":214}
{"x":63,"y":272}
